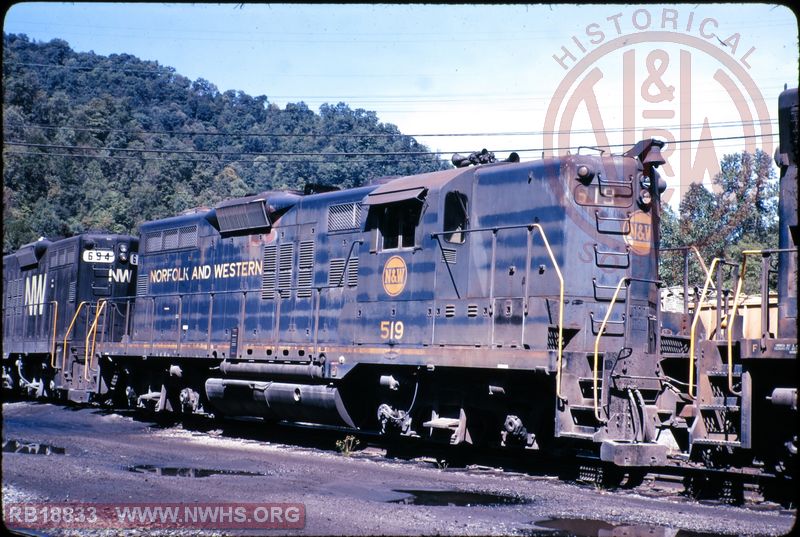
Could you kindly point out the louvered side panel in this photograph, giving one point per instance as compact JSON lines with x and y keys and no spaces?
{"x":286,"y":263}
{"x":449,"y":256}
{"x":141,"y":285}
{"x":305,"y":275}
{"x":268,"y":274}
{"x":352,"y":272}
{"x":335,"y":272}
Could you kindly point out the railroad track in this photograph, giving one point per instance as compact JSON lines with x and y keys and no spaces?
{"x":682,"y":481}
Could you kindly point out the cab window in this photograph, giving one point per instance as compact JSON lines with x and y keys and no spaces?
{"x":394,"y":225}
{"x":456,"y":219}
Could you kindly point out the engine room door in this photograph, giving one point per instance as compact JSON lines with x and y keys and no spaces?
{"x":460,"y":317}
{"x":510,"y":265}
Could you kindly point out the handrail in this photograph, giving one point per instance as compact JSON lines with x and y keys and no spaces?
{"x":94,"y":337}
{"x":101,"y":304}
{"x":539,"y":227}
{"x":347,"y":262}
{"x":53,"y":348}
{"x":694,"y":249}
{"x":447,"y":264}
{"x":735,"y":307}
{"x":624,"y":280}
{"x":700,"y":258}
{"x":66,"y":336}
{"x":597,"y":345}
{"x":560,"y":308}
{"x":698,"y":306}
{"x":732,"y":317}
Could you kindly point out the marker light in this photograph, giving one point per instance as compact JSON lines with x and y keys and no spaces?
{"x":585,"y":173}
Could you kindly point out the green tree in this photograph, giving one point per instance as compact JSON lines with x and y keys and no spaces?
{"x":741,"y":213}
{"x":97,"y":112}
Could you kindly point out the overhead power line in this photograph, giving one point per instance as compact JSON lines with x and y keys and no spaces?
{"x":719,"y":124}
{"x":345,"y":154}
{"x":159,"y":70}
{"x":356,"y":160}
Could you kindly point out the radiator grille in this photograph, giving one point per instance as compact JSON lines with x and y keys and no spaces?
{"x":187,"y":237}
{"x":352,"y":272}
{"x":152,"y":241}
{"x":170,"y":239}
{"x":63,"y":256}
{"x":15,"y":293}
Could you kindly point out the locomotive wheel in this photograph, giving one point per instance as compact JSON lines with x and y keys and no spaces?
{"x":616,"y":477}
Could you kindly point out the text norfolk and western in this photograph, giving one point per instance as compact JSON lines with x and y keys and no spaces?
{"x":236,"y":269}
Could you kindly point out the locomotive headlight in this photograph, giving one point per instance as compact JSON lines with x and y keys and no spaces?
{"x":123,"y":248}
{"x":123,"y":257}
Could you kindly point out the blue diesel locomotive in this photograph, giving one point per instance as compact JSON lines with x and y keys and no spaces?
{"x":511,"y":304}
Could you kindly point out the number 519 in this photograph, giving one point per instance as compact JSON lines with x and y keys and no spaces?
{"x":392,"y":329}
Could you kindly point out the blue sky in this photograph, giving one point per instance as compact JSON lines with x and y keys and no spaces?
{"x":462,"y":69}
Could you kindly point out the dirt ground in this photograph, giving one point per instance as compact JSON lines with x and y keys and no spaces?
{"x":55,"y":453}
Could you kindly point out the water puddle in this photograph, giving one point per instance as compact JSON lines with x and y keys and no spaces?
{"x":31,"y":448}
{"x":598,"y":528}
{"x":187,"y":472}
{"x":456,"y":498}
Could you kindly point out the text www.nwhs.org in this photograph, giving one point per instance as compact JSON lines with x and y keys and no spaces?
{"x":155,"y":515}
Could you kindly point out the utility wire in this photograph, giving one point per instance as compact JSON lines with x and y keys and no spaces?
{"x":357,"y":160}
{"x":346,"y":153}
{"x":720,"y":124}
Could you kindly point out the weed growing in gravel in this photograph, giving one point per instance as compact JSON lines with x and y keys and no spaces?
{"x":347,"y":445}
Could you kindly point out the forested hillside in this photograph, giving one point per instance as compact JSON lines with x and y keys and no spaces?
{"x":104,"y":143}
